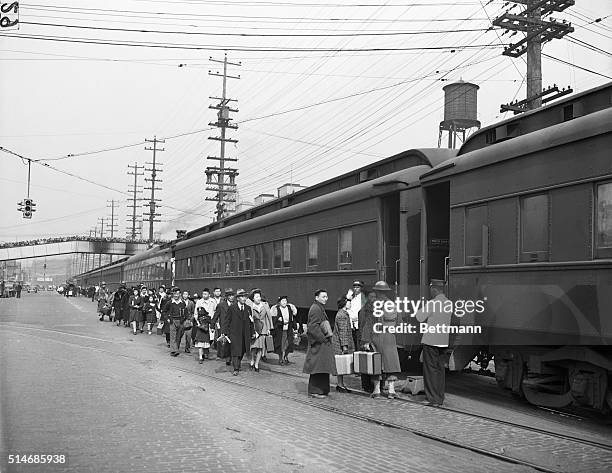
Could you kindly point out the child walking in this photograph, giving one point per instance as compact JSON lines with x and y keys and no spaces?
{"x":202,"y":338}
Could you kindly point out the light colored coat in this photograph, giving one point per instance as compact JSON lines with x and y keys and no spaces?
{"x":433,"y":317}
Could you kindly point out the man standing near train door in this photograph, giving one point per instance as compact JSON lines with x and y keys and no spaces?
{"x":434,"y":344}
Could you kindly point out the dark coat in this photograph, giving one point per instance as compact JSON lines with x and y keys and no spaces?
{"x":203,"y":328}
{"x":239,"y":328}
{"x":220,"y":316}
{"x":162,"y":306}
{"x":277,"y":335}
{"x":320,"y":354}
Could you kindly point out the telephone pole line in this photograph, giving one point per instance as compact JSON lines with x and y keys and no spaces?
{"x":135,"y":190}
{"x":153,"y":205}
{"x":101,"y":222}
{"x":537,"y":32}
{"x":222,"y":179}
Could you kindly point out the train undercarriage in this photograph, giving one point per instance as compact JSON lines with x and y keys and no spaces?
{"x":552,"y":377}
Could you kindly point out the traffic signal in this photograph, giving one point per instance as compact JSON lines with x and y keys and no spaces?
{"x":26,"y":206}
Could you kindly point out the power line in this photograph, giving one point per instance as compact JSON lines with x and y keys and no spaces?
{"x":195,"y":47}
{"x":575,"y":65}
{"x":258,"y":35}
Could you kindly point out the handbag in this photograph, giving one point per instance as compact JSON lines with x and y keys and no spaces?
{"x":160,"y":325}
{"x":269,"y":343}
{"x":296,"y":338}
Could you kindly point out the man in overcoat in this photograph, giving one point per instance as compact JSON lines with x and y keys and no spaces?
{"x":220,"y":320}
{"x":320,"y":361}
{"x":175,"y":312}
{"x":102,"y":297}
{"x":239,"y":329}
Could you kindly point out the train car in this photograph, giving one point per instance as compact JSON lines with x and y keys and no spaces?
{"x":522,"y":219}
{"x":325,"y":236}
{"x":111,"y":273}
{"x":152,"y":268}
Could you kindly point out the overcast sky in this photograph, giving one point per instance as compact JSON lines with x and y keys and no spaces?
{"x":325,"y":87}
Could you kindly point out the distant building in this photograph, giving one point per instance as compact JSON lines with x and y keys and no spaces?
{"x":287,"y":189}
{"x":263,"y":198}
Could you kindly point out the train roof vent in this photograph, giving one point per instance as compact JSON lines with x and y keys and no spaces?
{"x":368,"y":174}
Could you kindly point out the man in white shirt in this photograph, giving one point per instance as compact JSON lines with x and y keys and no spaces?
{"x":358,"y":300}
{"x":435,"y":344}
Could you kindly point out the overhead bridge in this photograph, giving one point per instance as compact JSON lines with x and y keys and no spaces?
{"x":53,"y":247}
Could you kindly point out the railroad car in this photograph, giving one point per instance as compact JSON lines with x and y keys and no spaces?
{"x":526,"y":211}
{"x":325,"y":236}
{"x":111,"y":273}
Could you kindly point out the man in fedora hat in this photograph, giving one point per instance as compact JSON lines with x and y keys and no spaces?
{"x":434,"y":344}
{"x":219,"y":321}
{"x":383,"y":341}
{"x":238,"y":327}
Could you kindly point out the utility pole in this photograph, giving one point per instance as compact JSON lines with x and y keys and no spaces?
{"x":221,"y":179}
{"x":537,"y":32}
{"x":153,"y":180}
{"x":112,"y":225}
{"x":135,"y":190}
{"x":101,"y":222}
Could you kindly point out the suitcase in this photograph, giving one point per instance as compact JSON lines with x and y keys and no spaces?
{"x":414,"y":385}
{"x":269,"y":343}
{"x":367,"y":362}
{"x":344,"y":364}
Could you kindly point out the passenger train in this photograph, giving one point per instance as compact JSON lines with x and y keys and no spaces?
{"x":519,"y":217}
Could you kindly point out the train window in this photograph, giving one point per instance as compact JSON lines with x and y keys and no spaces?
{"x":286,"y":253}
{"x":241,"y":260}
{"x":189,"y":267}
{"x":534,"y":228}
{"x":265,"y":256}
{"x":475,"y":218}
{"x":248,"y":258}
{"x":278,"y":254}
{"x":603,"y":231}
{"x":313,"y":250}
{"x":215,"y":263}
{"x":227,"y":263}
{"x":346,"y":248}
{"x":233,"y":261}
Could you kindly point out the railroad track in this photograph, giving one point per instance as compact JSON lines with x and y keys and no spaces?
{"x":300,"y":399}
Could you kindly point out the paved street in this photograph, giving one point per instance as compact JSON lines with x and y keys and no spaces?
{"x":111,"y":401}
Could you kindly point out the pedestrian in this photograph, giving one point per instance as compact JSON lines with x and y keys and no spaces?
{"x":18,"y":289}
{"x":210,"y":305}
{"x":262,"y":324}
{"x":202,"y":338}
{"x":102,"y":297}
{"x":342,"y":340}
{"x":238,"y":327}
{"x":220,"y":320}
{"x":435,"y":343}
{"x":381,"y":340}
{"x":188,"y":320}
{"x":320,"y":362}
{"x":162,"y":300}
{"x":148,"y":311}
{"x":285,"y":326}
{"x":175,"y":316}
{"x":118,"y":303}
{"x":135,"y":309}
{"x":367,"y":313}
{"x":358,"y":300}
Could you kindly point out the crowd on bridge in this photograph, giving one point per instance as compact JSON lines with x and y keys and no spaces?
{"x":239,"y":323}
{"x":43,"y":241}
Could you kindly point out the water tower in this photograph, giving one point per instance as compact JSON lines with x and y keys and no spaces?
{"x":460,"y":107}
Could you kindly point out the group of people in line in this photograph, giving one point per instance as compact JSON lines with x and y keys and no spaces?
{"x":42,"y":241}
{"x":236,"y":324}
{"x":244,"y":323}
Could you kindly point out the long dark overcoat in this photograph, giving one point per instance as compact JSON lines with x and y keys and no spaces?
{"x":277,"y":318}
{"x":239,"y":328}
{"x":320,"y":354}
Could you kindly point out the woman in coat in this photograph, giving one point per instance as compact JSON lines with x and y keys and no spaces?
{"x":342,"y":340}
{"x":283,"y":317}
{"x":383,"y":341}
{"x":262,"y":323}
{"x":135,"y":309}
{"x":320,"y":362}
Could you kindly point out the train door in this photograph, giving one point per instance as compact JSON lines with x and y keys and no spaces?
{"x":435,"y":233}
{"x":390,"y":248}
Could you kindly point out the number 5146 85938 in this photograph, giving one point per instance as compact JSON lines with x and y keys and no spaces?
{"x":9,"y":14}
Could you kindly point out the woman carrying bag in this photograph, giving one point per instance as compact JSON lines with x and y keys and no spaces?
{"x":342,"y":340}
{"x":285,"y":326}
